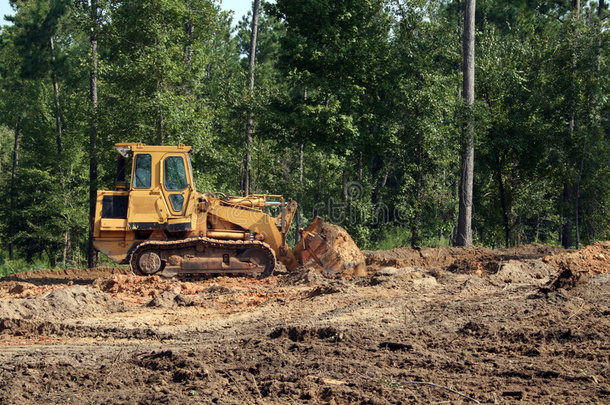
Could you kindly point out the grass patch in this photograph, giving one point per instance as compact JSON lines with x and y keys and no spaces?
{"x":8,"y":267}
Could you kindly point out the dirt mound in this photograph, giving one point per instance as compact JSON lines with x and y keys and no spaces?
{"x":302,"y":334}
{"x":330,"y":248}
{"x":170,"y":299}
{"x":566,"y":279}
{"x":21,"y":289}
{"x":64,"y":276}
{"x":69,"y":302}
{"x":149,"y":286}
{"x":155,"y":291}
{"x":532,"y":272}
{"x":41,"y":330}
{"x":303,"y":276}
{"x":531,"y":251}
{"x":594,"y":259}
{"x":415,"y":257}
{"x":332,"y":287}
{"x":474,"y":286}
{"x":406,"y":278}
{"x":181,"y":366}
{"x":342,"y":243}
{"x":477,"y":260}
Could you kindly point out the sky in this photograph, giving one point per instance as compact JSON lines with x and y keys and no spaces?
{"x":240,"y":7}
{"x":5,"y":8}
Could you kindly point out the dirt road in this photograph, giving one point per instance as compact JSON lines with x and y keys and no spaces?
{"x":442,"y":325}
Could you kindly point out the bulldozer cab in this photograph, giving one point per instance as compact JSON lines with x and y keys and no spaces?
{"x":159,"y":184}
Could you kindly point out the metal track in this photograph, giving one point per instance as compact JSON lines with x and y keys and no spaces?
{"x":158,"y":245}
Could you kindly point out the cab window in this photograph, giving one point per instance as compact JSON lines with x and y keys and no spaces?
{"x":175,"y":173}
{"x":142,"y":171}
{"x":177,"y":201}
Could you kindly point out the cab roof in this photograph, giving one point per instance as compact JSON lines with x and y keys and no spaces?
{"x":123,"y":147}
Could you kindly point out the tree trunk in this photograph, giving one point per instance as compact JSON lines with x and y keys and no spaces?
{"x":571,"y":127}
{"x":190,"y":29}
{"x":418,"y":195}
{"x":499,"y":179}
{"x":464,"y":231}
{"x":561,"y":215}
{"x":11,"y":224}
{"x":460,"y":20}
{"x":600,"y":16}
{"x":56,"y":93}
{"x":297,"y":234}
{"x":160,"y":139}
{"x":503,"y":202}
{"x":576,"y":215}
{"x":345,"y":191}
{"x":67,"y":247}
{"x":578,"y":183}
{"x":381,"y":183}
{"x":566,"y":232}
{"x":250,"y":122}
{"x":92,"y":253}
{"x":58,"y":129}
{"x":596,"y":111}
{"x":376,"y":197}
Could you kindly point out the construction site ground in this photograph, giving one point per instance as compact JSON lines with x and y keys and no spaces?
{"x":529,"y":324}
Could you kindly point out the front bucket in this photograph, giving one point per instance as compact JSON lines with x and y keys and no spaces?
{"x":329,"y":247}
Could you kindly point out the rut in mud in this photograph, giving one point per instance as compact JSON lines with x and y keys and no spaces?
{"x":424,"y":326}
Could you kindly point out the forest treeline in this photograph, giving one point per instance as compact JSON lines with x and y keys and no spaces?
{"x":357,"y":112}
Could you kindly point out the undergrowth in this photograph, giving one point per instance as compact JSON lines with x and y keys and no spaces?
{"x":19,"y":265}
{"x":8,"y":267}
{"x":395,"y":237}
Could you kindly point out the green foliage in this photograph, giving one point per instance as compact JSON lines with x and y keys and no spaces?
{"x":8,"y":267}
{"x":395,"y":237}
{"x":371,"y":89}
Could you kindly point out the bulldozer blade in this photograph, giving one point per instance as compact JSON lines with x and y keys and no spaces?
{"x":329,"y":247}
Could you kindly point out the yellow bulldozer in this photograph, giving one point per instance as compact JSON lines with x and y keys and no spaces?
{"x":157,"y":222}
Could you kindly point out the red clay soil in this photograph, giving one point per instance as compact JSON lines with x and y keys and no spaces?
{"x":345,"y":247}
{"x":140,"y":290}
{"x":42,"y":276}
{"x":593,"y":259}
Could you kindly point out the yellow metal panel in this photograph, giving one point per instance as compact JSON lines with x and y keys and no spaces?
{"x":107,"y":235}
{"x":114,"y":249}
{"x":98,"y":209}
{"x":146,"y":206}
{"x":113,"y":224}
{"x":161,"y":210}
{"x":259,"y":222}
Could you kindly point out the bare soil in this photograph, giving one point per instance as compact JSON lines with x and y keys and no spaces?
{"x":529,"y":324}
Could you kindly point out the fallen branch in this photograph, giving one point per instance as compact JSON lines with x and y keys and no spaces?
{"x":237,"y":385}
{"x":256,"y":386}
